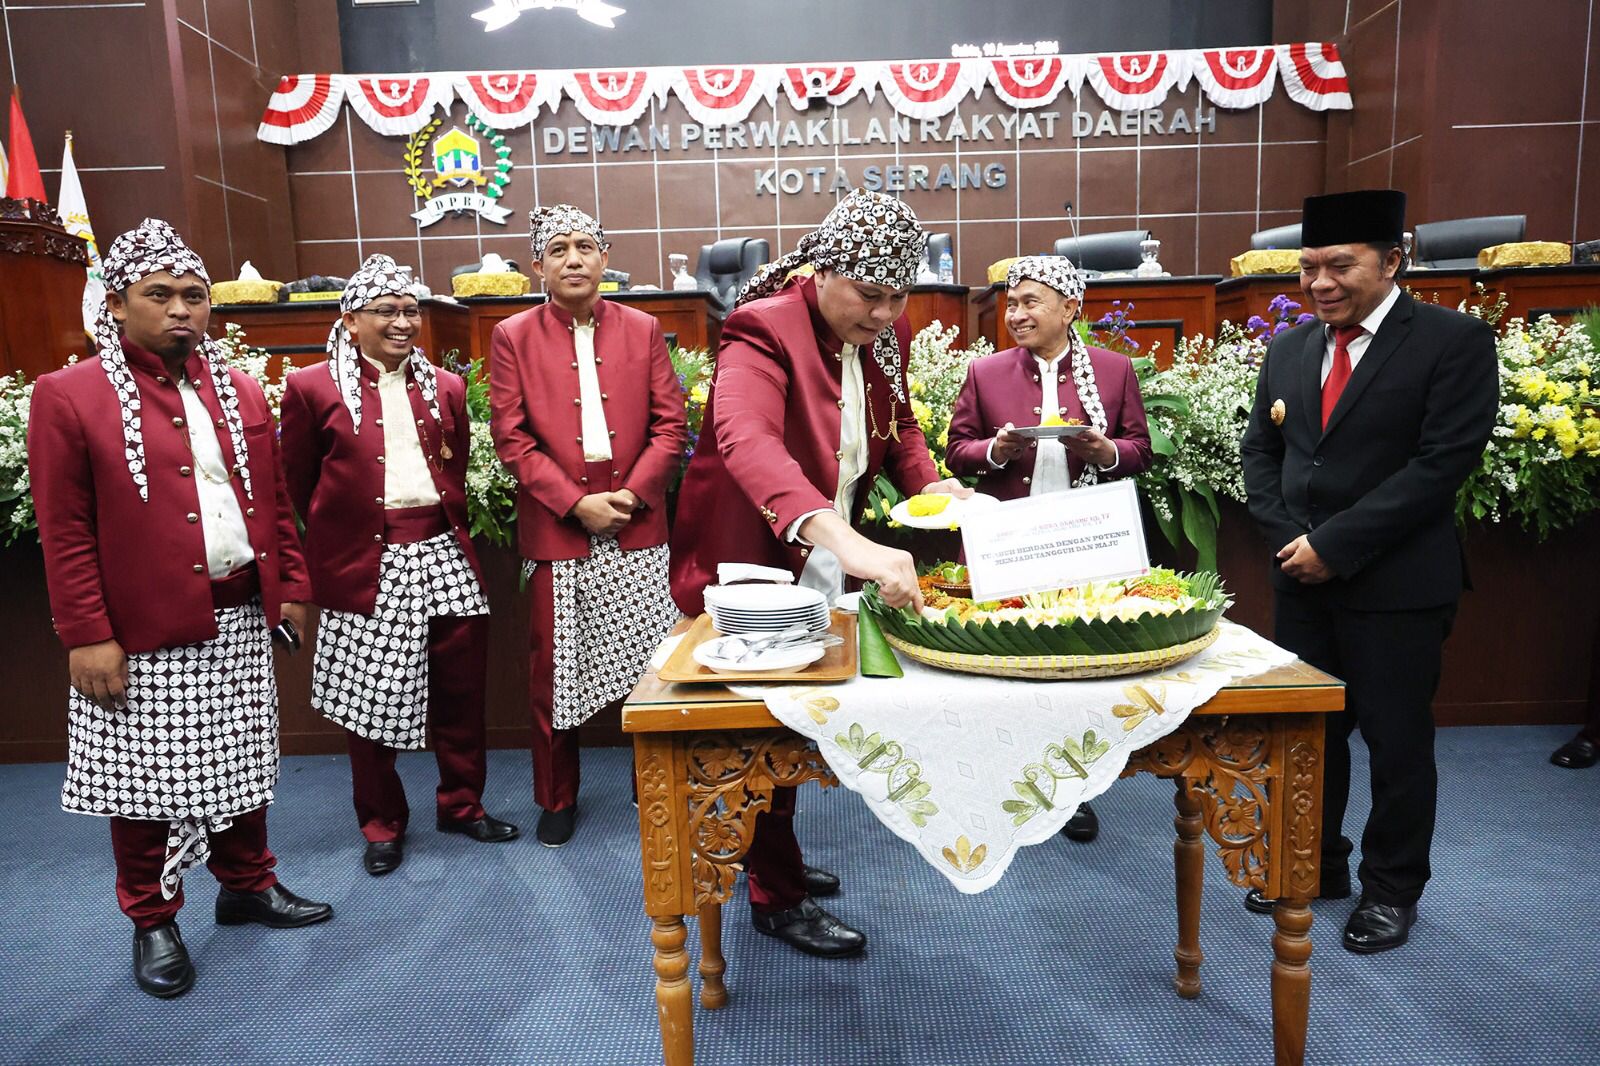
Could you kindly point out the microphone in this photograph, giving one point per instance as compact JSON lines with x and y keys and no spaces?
{"x":1072,"y":217}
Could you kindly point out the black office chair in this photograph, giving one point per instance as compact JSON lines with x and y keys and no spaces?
{"x":938,"y":244}
{"x":1104,"y":251}
{"x":1456,"y":243}
{"x":1286,"y":237}
{"x":725,"y":266}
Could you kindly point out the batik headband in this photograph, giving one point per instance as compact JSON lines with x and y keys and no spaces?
{"x":149,"y":248}
{"x":379,"y":276}
{"x":868,"y":237}
{"x":1055,"y":271}
{"x":547,"y":223}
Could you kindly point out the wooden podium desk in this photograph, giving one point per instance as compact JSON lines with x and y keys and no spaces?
{"x":41,"y":289}
{"x":1240,"y":298}
{"x":1165,"y":309}
{"x":1559,"y":291}
{"x":688,"y":317}
{"x":299,"y":331}
{"x":946,"y":303}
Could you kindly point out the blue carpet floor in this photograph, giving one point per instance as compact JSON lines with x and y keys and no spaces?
{"x":515,"y":953}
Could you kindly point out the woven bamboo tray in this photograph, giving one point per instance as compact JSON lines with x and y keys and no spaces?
{"x":1055,"y":667}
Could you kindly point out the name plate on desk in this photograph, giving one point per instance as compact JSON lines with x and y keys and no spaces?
{"x":314,"y":297}
{"x":1055,"y":541}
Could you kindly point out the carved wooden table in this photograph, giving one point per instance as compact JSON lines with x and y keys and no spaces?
{"x":1248,"y":770}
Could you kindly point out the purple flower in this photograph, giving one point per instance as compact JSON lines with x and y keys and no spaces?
{"x":1256,"y":322}
{"x":1304,"y":318}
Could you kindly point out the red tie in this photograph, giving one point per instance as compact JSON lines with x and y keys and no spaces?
{"x":1339,"y":373}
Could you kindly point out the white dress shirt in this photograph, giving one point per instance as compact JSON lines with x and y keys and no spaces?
{"x":1050,"y":456}
{"x":822,"y":570}
{"x":596,"y":440}
{"x":221,"y":521}
{"x":406,"y":479}
{"x":1357,"y":347}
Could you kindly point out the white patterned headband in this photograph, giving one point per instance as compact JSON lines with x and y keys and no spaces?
{"x":1055,"y":271}
{"x":545,"y":224}
{"x":868,"y":237}
{"x":149,"y":248}
{"x":379,"y":276}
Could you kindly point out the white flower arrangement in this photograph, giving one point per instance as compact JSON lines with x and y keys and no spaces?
{"x":16,"y":498}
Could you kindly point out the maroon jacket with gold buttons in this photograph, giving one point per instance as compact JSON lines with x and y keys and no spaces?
{"x":538,"y":423}
{"x":135,"y":570}
{"x":335,"y":476}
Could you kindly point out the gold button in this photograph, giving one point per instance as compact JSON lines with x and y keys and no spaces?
{"x":578,"y":439}
{"x":1061,"y":377}
{"x":583,"y":481}
{"x":199,"y":569}
{"x":378,"y":421}
{"x":574,"y":366}
{"x":804,"y":552}
{"x":184,"y":471}
{"x":378,"y":537}
{"x":1027,"y":480}
{"x":219,"y":423}
{"x":250,"y":512}
{"x":419,"y":421}
{"x":611,"y":433}
{"x":839,"y":455}
{"x":380,"y":458}
{"x":1036,"y":410}
{"x":262,"y":556}
{"x":373,"y":384}
{"x":191,"y":516}
{"x":616,"y":473}
{"x":576,"y":401}
{"x":178,"y":422}
{"x":410,"y":386}
{"x":603,"y":396}
{"x":1036,"y":377}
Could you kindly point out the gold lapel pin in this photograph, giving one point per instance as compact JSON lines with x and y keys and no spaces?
{"x":1278,"y":412}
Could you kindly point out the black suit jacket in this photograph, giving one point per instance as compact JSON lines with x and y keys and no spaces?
{"x":1376,"y":490}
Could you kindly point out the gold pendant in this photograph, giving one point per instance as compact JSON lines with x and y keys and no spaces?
{"x":444,"y":450}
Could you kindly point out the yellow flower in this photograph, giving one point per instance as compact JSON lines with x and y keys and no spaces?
{"x":699,"y":394}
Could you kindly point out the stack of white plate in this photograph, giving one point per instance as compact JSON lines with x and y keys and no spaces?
{"x":766,"y":608}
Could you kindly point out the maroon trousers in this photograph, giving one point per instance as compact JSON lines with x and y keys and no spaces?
{"x":458,"y":659}
{"x":773,"y":864}
{"x":239,"y":858}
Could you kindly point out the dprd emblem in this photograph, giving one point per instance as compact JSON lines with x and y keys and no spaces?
{"x":459,"y":182}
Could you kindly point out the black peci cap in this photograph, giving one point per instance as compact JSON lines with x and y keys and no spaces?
{"x":1376,"y":216}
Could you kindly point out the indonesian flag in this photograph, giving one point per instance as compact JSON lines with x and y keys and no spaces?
{"x":23,"y":180}
{"x":842,"y":83}
{"x":612,"y":97}
{"x":1314,"y":76}
{"x":723,"y":96}
{"x":303,"y":106}
{"x":1237,"y":77}
{"x":1138,"y":81}
{"x":1034,"y":81}
{"x":397,"y":104}
{"x":507,"y":100}
{"x":74,"y":211}
{"x":926,"y":88}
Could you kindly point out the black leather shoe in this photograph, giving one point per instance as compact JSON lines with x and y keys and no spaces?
{"x":1083,"y":826}
{"x":1337,"y":887}
{"x":277,"y":907}
{"x":1375,"y":927}
{"x":820,"y":882}
{"x":1579,"y":753}
{"x":160,"y":961}
{"x":555,"y":827}
{"x":382,"y":856}
{"x":485,"y":830}
{"x":807,"y":927}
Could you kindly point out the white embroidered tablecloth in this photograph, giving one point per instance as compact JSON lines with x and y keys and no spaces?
{"x":969,"y":768}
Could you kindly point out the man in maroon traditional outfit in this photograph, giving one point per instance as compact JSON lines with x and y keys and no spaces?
{"x":375,"y":445}
{"x":588,"y":417}
{"x":1050,"y":372}
{"x":170,"y":552}
{"x":808,"y":405}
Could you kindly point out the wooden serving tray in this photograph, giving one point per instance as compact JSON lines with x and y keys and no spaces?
{"x":838,"y":663}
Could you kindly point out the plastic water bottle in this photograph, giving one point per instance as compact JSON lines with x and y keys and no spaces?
{"x":947,"y":268}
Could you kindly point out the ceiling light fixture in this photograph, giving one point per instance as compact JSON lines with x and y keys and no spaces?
{"x":504,"y":12}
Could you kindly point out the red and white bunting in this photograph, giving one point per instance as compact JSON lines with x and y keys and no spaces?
{"x":508,"y":100}
{"x":302,"y":106}
{"x":1314,"y":76}
{"x":724,"y":96}
{"x":926,"y":88}
{"x":1139,"y":80}
{"x":613,"y":97}
{"x":1237,"y":77}
{"x":841,"y":82}
{"x":397,"y":104}
{"x":1035,"y":81}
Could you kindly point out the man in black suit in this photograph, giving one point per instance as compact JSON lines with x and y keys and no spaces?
{"x":1366,"y":422}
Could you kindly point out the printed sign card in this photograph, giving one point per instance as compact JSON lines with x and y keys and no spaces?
{"x":1055,"y":541}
